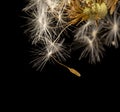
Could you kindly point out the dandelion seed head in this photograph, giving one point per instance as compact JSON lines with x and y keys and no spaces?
{"x":96,"y":10}
{"x":92,"y":23}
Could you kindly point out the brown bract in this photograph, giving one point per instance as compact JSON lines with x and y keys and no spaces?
{"x":82,"y":10}
{"x":111,"y":5}
{"x":75,"y":12}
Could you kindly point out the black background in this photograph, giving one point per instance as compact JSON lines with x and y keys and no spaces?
{"x":107,"y":70}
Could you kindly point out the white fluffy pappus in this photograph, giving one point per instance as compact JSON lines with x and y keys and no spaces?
{"x":88,"y":39}
{"x":50,"y":50}
{"x":111,"y":28}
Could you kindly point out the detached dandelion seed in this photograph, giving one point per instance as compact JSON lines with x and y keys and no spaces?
{"x":49,"y":51}
{"x":93,"y":23}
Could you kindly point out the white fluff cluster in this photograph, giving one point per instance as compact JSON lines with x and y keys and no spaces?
{"x":48,"y":21}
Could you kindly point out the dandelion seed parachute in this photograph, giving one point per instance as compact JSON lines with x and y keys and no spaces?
{"x":88,"y":38}
{"x":95,"y":22}
{"x":111,"y":26}
{"x":52,"y":50}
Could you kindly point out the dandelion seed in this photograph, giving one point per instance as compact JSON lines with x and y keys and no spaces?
{"x":51,"y":49}
{"x":72,"y":70}
{"x":90,"y":43}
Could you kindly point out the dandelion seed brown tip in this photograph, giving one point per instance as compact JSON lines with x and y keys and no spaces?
{"x":75,"y":72}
